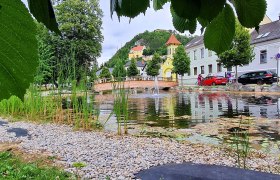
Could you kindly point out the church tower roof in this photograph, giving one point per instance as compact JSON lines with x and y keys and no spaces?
{"x":172,"y":41}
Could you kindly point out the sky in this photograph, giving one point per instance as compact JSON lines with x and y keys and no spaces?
{"x":116,"y":33}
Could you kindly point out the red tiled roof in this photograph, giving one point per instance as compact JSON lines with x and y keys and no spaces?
{"x":173,"y":40}
{"x":138,"y":48}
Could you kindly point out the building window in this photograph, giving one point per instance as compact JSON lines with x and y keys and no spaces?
{"x":202,"y":53}
{"x":219,"y":67}
{"x":195,"y":71}
{"x":194,"y":54}
{"x":263,"y":57}
{"x":210,"y":68}
{"x":209,"y":53}
{"x":202,"y":69}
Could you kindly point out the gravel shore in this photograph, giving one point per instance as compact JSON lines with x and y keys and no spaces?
{"x":120,"y":157}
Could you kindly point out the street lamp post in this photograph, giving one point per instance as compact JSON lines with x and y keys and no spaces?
{"x":277,"y":59}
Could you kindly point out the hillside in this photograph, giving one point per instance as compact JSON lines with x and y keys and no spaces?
{"x":154,"y":41}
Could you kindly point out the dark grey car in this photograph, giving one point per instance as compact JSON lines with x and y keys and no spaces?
{"x":258,"y":77}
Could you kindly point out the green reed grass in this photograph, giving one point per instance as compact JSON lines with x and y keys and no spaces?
{"x":120,"y":108}
{"x":241,"y":143}
{"x":76,"y":108}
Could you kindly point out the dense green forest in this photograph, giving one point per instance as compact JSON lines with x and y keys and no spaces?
{"x":154,"y":41}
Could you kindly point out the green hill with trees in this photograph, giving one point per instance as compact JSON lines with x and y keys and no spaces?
{"x":154,"y":42}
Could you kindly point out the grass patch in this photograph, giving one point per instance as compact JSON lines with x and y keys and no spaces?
{"x":13,"y":168}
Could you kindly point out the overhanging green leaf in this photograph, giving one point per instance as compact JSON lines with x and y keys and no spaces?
{"x":188,"y":9}
{"x":18,"y":49}
{"x":132,"y":8}
{"x":42,"y":10}
{"x":220,"y":32}
{"x":182,"y":24}
{"x":250,"y":12}
{"x":211,"y":8}
{"x":159,"y":3}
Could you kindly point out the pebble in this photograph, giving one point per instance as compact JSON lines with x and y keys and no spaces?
{"x":119,"y":157}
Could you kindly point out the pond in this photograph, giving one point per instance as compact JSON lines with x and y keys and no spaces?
{"x":201,"y":117}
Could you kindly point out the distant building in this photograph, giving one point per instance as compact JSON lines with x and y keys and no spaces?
{"x":266,"y":45}
{"x":167,"y":66}
{"x":136,"y":52}
{"x":99,"y":71}
{"x":141,"y":66}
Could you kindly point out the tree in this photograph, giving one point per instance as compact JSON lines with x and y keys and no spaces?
{"x":46,"y":61}
{"x":80,"y":24}
{"x":105,"y":73}
{"x":45,"y":70}
{"x":181,"y":62}
{"x":93,"y":75}
{"x":216,"y":16}
{"x":132,"y":69}
{"x":153,"y":65}
{"x":240,"y":53}
{"x":119,"y":70}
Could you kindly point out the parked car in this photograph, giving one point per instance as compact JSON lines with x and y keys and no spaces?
{"x":212,"y":80}
{"x":258,"y":77}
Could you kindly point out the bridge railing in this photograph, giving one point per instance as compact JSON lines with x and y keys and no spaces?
{"x":134,"y":78}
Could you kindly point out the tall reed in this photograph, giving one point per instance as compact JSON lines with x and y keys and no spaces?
{"x":241,"y":142}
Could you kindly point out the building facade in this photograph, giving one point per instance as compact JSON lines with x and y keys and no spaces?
{"x":136,"y":52}
{"x":167,"y":66}
{"x":266,"y":45}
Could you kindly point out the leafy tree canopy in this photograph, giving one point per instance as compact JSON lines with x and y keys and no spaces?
{"x":132,"y":69}
{"x":241,"y":52}
{"x":154,"y":42}
{"x":119,"y":70}
{"x":181,"y":61}
{"x":215,"y":16}
{"x":46,"y":56}
{"x":154,"y":65}
{"x":80,"y":25}
{"x":105,"y":73}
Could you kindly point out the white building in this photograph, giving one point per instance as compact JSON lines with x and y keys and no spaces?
{"x":141,"y":66}
{"x":266,"y":45}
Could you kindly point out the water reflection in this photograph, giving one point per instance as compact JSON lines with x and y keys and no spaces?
{"x":184,"y":110}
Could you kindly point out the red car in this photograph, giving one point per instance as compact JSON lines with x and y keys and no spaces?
{"x":214,"y":80}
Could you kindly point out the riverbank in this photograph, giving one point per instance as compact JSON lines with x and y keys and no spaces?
{"x":119,"y":157}
{"x":234,"y":88}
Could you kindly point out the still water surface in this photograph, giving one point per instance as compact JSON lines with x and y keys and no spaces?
{"x":187,"y":110}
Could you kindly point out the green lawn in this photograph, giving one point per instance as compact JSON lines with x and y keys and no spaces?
{"x":12,"y":168}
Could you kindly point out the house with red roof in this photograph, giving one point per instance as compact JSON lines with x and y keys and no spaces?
{"x":136,"y":52}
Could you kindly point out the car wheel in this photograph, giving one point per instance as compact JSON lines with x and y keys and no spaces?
{"x":213,"y":84}
{"x":260,"y":82}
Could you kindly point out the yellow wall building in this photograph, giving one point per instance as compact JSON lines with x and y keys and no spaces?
{"x":167,"y":66}
{"x":136,"y":52}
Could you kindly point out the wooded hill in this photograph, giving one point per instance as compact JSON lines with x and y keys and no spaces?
{"x":154,"y":42}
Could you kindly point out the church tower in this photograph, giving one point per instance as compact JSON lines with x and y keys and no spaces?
{"x":167,"y":66}
{"x":172,"y":44}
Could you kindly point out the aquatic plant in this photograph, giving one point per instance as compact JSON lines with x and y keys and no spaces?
{"x":241,"y":142}
{"x":120,"y":108}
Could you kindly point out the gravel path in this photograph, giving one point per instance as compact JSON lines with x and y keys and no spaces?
{"x":119,"y":157}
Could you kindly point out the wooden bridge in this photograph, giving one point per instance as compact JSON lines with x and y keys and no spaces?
{"x":135,"y":82}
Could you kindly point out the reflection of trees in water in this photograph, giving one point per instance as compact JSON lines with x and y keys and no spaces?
{"x":153,"y":113}
{"x":134,"y":107}
{"x":182,"y":108}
